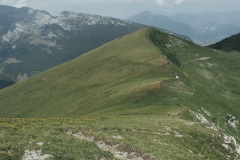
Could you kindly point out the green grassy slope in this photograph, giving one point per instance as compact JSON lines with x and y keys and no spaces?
{"x":167,"y":98}
{"x":97,"y":80}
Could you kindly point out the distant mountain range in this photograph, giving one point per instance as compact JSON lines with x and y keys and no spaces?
{"x":164,"y":22}
{"x":195,"y":19}
{"x":32,"y":40}
{"x":203,"y":29}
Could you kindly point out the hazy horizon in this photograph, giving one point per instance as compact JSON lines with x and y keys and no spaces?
{"x":126,"y":8}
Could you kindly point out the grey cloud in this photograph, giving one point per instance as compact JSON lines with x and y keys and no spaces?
{"x":124,"y":8}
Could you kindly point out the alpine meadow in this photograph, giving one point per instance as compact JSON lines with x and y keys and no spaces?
{"x":145,"y":95}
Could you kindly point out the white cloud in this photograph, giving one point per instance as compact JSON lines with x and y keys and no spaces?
{"x":160,"y":3}
{"x":179,"y":1}
{"x":171,"y":3}
{"x":4,"y":2}
{"x":124,"y":8}
{"x":131,"y":1}
{"x":105,"y":1}
{"x":21,"y":3}
{"x":18,"y":3}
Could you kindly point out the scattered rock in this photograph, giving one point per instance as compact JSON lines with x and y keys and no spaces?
{"x":35,"y":155}
{"x":189,"y":123}
{"x":208,"y":124}
{"x":190,"y":151}
{"x":156,"y":133}
{"x":232,"y":121}
{"x":238,"y":149}
{"x":117,"y":150}
{"x":40,"y":143}
{"x":177,"y":134}
{"x":117,"y":137}
{"x":230,"y":143}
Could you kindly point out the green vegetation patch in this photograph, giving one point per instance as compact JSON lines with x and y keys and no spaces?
{"x":47,"y":135}
{"x":156,"y":134}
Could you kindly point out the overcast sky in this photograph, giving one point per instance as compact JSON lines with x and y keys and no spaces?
{"x":125,"y":8}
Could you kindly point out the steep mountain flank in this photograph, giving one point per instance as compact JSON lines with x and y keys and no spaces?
{"x":4,"y":83}
{"x":228,"y":44}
